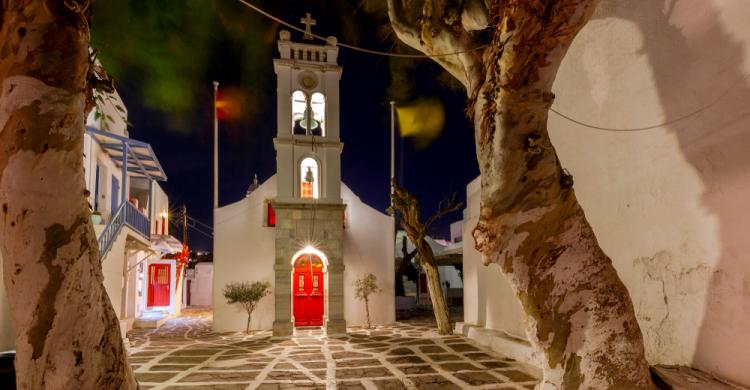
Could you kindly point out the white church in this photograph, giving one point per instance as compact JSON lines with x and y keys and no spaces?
{"x":303,"y":230}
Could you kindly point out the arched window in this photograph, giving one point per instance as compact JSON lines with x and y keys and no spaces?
{"x":308,"y":114}
{"x":309,"y":179}
{"x":299,"y":105}
{"x":318,"y":105}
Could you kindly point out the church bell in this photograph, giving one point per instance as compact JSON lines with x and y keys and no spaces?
{"x":307,"y":120}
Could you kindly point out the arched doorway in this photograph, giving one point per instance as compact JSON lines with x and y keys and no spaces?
{"x":308,"y":295}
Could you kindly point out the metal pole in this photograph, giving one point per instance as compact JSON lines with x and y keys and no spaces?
{"x":151,"y":204}
{"x":184,"y":224}
{"x":393,"y":146}
{"x":124,"y":189}
{"x":216,"y":148}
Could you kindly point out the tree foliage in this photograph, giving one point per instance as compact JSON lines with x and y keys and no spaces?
{"x":365,"y":286}
{"x":247,"y":295}
{"x":170,"y":50}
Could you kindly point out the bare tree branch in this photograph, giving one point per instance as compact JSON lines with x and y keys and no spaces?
{"x":446,"y":207}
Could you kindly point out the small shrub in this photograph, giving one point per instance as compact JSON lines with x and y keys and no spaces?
{"x":248,"y":295}
{"x":363,"y":288}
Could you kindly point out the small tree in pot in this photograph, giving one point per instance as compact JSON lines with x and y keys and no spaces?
{"x":248,"y":295}
{"x":363,"y":288}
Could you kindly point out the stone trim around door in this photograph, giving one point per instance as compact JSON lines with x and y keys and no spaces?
{"x":321,"y":226}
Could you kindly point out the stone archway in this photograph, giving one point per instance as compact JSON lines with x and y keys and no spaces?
{"x":309,"y":288}
{"x":294,"y":235}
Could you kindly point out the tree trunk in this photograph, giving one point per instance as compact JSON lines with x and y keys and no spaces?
{"x":247,"y":325}
{"x":579,"y":314}
{"x":367,"y":312}
{"x":401,"y":270}
{"x":439,"y":307}
{"x":67,"y":334}
{"x":406,"y":204}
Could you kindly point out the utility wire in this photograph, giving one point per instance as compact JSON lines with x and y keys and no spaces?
{"x":199,"y":222}
{"x":352,"y":47}
{"x":195,"y":228}
{"x":663,"y":124}
{"x":564,"y":116}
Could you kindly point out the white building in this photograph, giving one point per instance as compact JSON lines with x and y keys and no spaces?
{"x":669,"y":205}
{"x":130,"y":216}
{"x":303,"y":230}
{"x":198,"y":288}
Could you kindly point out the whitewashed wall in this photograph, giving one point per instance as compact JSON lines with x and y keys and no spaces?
{"x":161,"y":205}
{"x":244,"y":250}
{"x":368,"y":248}
{"x":201,"y":288}
{"x":93,"y":155}
{"x":113,"y":266}
{"x":670,"y":205}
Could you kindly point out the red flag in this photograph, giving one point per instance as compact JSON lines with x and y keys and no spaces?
{"x":229,"y":102}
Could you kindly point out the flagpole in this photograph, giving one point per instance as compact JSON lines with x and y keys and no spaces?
{"x":216,"y":148}
{"x":393,"y":146}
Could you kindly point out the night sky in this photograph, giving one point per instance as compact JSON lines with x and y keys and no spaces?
{"x":442,"y":168}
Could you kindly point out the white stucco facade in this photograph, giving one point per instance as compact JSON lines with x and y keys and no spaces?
{"x":244,"y":251}
{"x":198,"y":289}
{"x":670,"y":204}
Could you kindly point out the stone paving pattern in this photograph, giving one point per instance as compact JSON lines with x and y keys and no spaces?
{"x":186,"y":354}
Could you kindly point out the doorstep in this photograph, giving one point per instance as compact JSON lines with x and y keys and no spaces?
{"x":151,"y":320}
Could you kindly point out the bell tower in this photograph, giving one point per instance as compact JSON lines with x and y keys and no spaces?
{"x":308,"y":149}
{"x":308,"y":207}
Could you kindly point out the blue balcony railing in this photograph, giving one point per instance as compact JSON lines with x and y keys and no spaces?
{"x":128,"y":215}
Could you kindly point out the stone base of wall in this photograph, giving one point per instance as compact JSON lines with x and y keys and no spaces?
{"x":500,"y":342}
{"x":336,"y":328}
{"x":282,"y":329}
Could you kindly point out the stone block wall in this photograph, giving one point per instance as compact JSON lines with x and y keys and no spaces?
{"x":299,"y":225}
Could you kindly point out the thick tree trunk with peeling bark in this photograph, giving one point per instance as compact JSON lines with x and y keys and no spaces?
{"x":408,"y":206}
{"x":67,"y":334}
{"x":579,"y":314}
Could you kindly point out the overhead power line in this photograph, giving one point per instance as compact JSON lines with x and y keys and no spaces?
{"x":353,"y":47}
{"x":663,"y":124}
{"x":197,"y":221}
{"x":562,"y":115}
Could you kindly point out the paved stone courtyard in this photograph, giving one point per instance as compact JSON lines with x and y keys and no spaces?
{"x":185,"y":354}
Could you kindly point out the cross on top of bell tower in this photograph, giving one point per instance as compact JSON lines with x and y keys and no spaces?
{"x":308,"y":21}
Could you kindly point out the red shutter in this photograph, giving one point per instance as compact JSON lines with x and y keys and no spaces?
{"x":271,"y":216}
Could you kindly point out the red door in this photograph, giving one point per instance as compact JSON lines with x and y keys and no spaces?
{"x":158,"y":285}
{"x":307,"y":289}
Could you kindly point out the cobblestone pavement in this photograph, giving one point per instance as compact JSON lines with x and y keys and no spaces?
{"x":185,"y":354}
